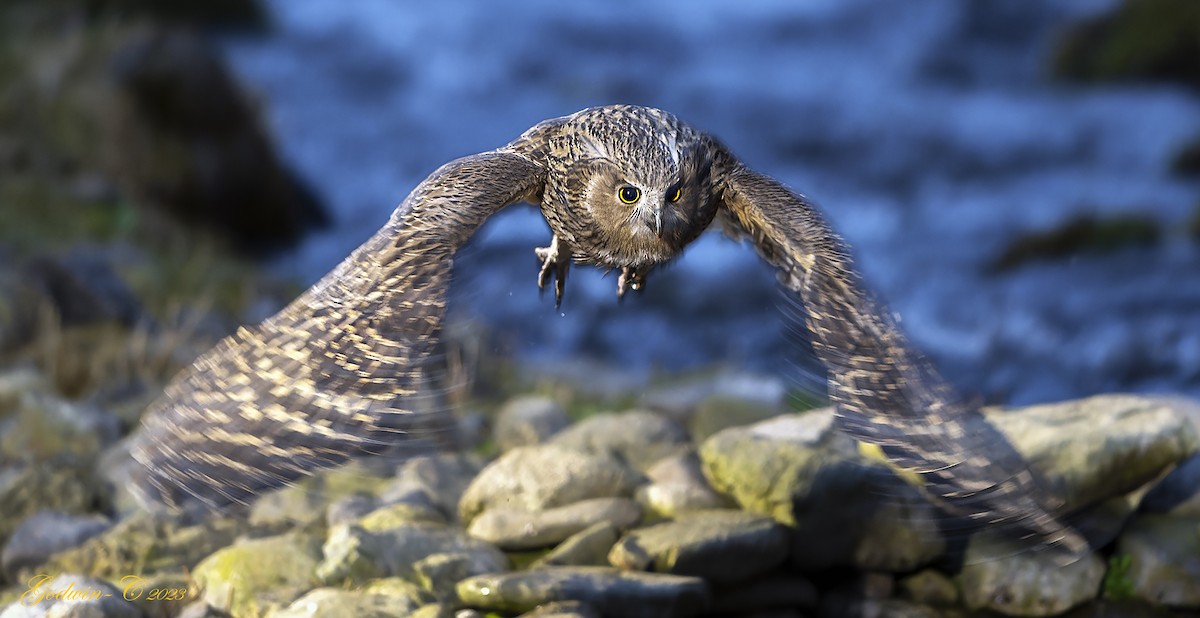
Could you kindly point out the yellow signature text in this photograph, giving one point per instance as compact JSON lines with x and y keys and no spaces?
{"x":133,"y":588}
{"x":40,"y":590}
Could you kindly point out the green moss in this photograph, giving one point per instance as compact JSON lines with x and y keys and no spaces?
{"x":1139,"y":40}
{"x":1083,"y":234}
{"x":1118,"y":586}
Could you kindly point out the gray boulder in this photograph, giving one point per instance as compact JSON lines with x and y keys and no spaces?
{"x":357,"y":553}
{"x":337,"y":603}
{"x":514,"y":529}
{"x":844,"y":510}
{"x":638,"y":437}
{"x":1093,"y":449}
{"x":722,"y":546}
{"x":544,"y":476}
{"x":46,"y":533}
{"x":611,"y":592}
{"x":1163,"y":559}
{"x":528,"y":420}
{"x":589,"y":547}
{"x":1027,"y":583}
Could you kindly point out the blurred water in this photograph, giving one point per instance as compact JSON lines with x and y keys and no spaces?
{"x":927,"y":130}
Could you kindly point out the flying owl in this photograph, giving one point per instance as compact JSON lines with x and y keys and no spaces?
{"x":337,"y":374}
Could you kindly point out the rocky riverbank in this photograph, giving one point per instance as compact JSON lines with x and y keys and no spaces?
{"x":697,"y":501}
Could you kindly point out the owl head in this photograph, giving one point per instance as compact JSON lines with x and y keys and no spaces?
{"x":629,"y":186}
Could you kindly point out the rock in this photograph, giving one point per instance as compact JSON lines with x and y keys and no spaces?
{"x":513,"y":529}
{"x":1164,"y":559}
{"x":350,"y":508}
{"x":117,"y":466}
{"x":435,"y":481}
{"x":44,"y":427}
{"x":844,"y":510}
{"x":563,"y":609}
{"x":433,"y":610}
{"x":1027,"y":583}
{"x":438,"y":573}
{"x":140,"y":544}
{"x":611,"y":592}
{"x":252,"y":577}
{"x":891,"y":608}
{"x":187,"y":139}
{"x":1084,"y":234}
{"x":670,"y":500}
{"x":70,"y":596}
{"x":335,"y":603}
{"x":721,"y":412}
{"x":681,"y":468}
{"x":393,"y":515}
{"x":722,"y":546}
{"x":678,"y":486}
{"x":357,"y":553}
{"x":589,"y":547}
{"x":21,"y":310}
{"x":1101,"y":447}
{"x":83,"y":288}
{"x":25,"y":490}
{"x":778,"y":591}
{"x":46,"y":533}
{"x":637,"y":437}
{"x":306,"y":501}
{"x":200,"y":609}
{"x":1138,"y":40}
{"x":545,"y":476}
{"x":930,"y":587}
{"x":528,"y":420}
{"x":1178,"y":493}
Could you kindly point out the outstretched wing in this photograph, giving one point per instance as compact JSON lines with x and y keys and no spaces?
{"x":337,"y":373}
{"x":884,"y":392}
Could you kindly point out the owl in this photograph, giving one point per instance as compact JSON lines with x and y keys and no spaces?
{"x":337,"y":374}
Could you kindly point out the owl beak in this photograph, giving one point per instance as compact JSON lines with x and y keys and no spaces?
{"x":658,"y":220}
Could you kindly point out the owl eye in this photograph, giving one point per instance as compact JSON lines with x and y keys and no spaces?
{"x":675,"y":195}
{"x":629,"y":195}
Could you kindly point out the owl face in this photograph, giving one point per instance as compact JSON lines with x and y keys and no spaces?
{"x":634,"y":187}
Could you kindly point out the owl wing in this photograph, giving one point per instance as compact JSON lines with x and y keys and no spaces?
{"x":338,"y":372}
{"x":883,"y":391}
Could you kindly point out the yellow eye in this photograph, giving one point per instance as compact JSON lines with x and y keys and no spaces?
{"x":629,"y":195}
{"x":676,"y":195}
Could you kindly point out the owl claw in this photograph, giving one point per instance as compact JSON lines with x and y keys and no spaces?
{"x":630,"y":279}
{"x":553,"y":263}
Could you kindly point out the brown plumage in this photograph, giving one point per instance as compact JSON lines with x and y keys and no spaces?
{"x":336,"y":373}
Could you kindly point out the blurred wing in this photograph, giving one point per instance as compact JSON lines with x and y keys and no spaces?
{"x":884,"y":392}
{"x":336,"y":374}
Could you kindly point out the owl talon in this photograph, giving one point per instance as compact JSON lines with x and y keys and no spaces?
{"x":630,"y":279}
{"x":553,"y":263}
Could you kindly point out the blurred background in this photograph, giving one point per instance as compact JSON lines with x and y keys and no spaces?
{"x":1020,"y":181}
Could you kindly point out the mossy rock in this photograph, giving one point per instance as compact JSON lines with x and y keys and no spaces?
{"x":1139,"y":40}
{"x":139,"y":545}
{"x":1085,"y":234}
{"x":254,"y":577}
{"x":28,"y":489}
